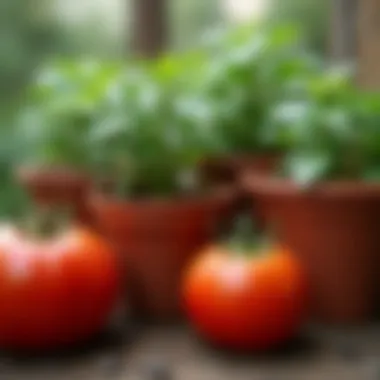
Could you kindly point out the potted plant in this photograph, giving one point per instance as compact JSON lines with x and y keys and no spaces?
{"x":325,"y":202}
{"x":53,"y":130}
{"x":249,"y":69}
{"x":149,"y":202}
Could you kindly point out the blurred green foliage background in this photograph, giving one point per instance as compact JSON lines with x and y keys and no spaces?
{"x":33,"y":32}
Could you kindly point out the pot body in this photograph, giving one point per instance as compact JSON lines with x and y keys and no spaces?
{"x":58,"y":187}
{"x":156,"y":239}
{"x":334,"y":229}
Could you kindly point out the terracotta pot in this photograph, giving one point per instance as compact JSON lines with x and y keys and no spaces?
{"x":334,"y":228}
{"x":58,"y":186}
{"x":156,"y":239}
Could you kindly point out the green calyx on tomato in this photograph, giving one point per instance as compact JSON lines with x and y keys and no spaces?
{"x":46,"y":221}
{"x":245,"y":238}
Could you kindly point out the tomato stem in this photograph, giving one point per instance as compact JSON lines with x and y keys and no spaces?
{"x":245,"y":238}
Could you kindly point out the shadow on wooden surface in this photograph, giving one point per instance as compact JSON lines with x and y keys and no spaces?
{"x":304,"y":345}
{"x":106,"y":341}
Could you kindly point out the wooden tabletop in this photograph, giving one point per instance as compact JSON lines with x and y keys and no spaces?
{"x":319,"y":353}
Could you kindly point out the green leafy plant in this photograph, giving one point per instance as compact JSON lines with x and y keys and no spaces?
{"x":148,"y":124}
{"x":55,"y":123}
{"x":147,"y":135}
{"x":162,"y":117}
{"x":331,"y":130}
{"x":248,"y":71}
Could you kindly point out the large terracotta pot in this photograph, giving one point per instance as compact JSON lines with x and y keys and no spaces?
{"x":334,"y":228}
{"x":57,"y":186}
{"x":156,"y":239}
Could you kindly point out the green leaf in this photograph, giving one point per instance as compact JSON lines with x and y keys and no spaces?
{"x":307,"y":168}
{"x":372,"y":175}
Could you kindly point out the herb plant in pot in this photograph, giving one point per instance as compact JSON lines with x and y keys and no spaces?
{"x":53,"y":130}
{"x":325,"y":204}
{"x":148,"y":201}
{"x":247,"y":71}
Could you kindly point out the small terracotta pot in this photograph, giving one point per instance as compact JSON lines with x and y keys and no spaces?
{"x":334,"y":229}
{"x":57,"y":186}
{"x":156,"y":239}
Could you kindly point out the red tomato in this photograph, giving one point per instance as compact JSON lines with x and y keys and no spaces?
{"x":243,"y":301}
{"x":56,"y":291}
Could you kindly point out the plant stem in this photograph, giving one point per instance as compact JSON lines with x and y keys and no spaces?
{"x":243,"y":234}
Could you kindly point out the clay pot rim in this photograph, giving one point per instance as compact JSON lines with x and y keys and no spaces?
{"x":219,"y":194}
{"x":266,"y":184}
{"x":233,"y":159}
{"x":46,"y":174}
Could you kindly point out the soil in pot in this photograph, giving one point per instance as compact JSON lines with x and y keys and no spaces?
{"x":57,"y":186}
{"x":334,"y":228}
{"x":156,"y":239}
